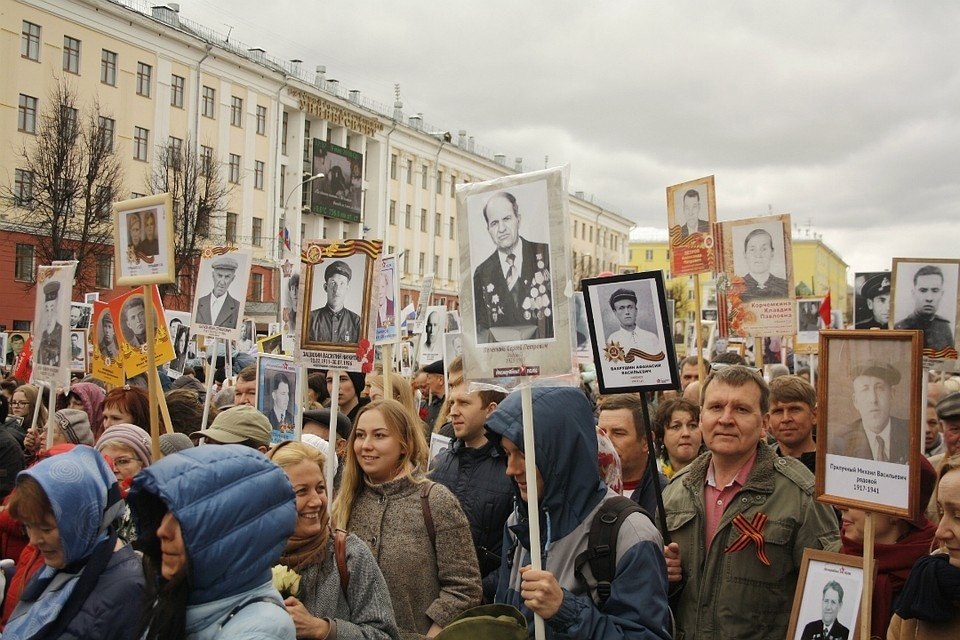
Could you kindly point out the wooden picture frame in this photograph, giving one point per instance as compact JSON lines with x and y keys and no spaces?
{"x":926,"y":296}
{"x":139,"y":258}
{"x":822,"y":572}
{"x":869,"y":386}
{"x":79,"y":360}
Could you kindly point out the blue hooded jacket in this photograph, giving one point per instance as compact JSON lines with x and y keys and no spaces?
{"x":566,"y":457}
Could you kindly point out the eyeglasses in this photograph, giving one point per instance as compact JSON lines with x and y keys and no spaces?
{"x":123,"y":462}
{"x":19,"y":403}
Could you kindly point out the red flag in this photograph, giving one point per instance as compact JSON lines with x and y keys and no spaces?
{"x":825,"y":310}
{"x":22,"y":369}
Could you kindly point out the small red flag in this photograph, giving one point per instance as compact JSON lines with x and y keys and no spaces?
{"x":825,"y":310}
{"x":22,"y":368}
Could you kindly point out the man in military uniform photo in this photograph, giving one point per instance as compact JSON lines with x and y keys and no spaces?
{"x":512,"y":290}
{"x":876,"y":293}
{"x":48,"y":353}
{"x":927,"y":293}
{"x":333,"y":322}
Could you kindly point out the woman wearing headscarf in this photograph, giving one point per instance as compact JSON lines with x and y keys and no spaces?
{"x":88,"y":397}
{"x":211,"y":523}
{"x":92,"y":584}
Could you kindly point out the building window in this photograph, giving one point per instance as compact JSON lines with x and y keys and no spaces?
{"x":144,"y":79}
{"x":30,"y":41}
{"x":141,"y":142}
{"x":22,"y":187}
{"x":648,"y":255}
{"x":256,"y":287}
{"x":209,"y":97}
{"x":256,"y":230}
{"x":409,"y":171}
{"x":406,"y":217}
{"x":236,"y":111}
{"x":449,"y":268}
{"x":436,"y":265}
{"x":423,"y":176}
{"x":23,"y":270}
{"x":423,"y":220}
{"x":283,"y":132}
{"x":453,"y":186}
{"x":393,"y":212}
{"x":104,"y":271}
{"x":234,"y":168}
{"x":437,"y":224}
{"x":27,"y":114}
{"x":258,"y":170}
{"x":230,"y":233}
{"x":452,"y":221}
{"x":261,"y":120}
{"x":283,"y":184}
{"x":71,"y":54}
{"x":422,"y":262}
{"x":440,"y":183}
{"x":107,"y":128}
{"x":108,"y":68}
{"x":406,"y":261}
{"x":175,"y":144}
{"x":177,"y":84}
{"x":393,"y":166}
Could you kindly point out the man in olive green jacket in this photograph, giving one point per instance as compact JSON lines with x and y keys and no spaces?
{"x":740,"y":518}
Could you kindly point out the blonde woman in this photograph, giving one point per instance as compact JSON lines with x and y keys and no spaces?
{"x":417,"y":531}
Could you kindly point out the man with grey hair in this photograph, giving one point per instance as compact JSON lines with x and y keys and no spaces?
{"x":218,"y":307}
{"x":828,"y":627}
{"x":927,"y":293}
{"x":740,"y":518}
{"x":876,"y":435}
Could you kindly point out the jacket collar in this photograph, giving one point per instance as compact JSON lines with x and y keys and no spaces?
{"x":761,"y":478}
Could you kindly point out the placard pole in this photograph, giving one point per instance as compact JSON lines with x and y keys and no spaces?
{"x":866,"y":601}
{"x":152,"y":378}
{"x":701,"y":366}
{"x":332,"y":433}
{"x":654,"y":470}
{"x":209,"y":382}
{"x":533,"y":497}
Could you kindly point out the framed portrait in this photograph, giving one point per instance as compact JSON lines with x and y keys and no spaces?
{"x":872,"y":300}
{"x":290,"y":293}
{"x":221,"y":292}
{"x":338,"y":321}
{"x":828,"y":596}
{"x":808,"y":325}
{"x":144,"y":240}
{"x":708,"y":338}
{"x":279,"y":395}
{"x":247,"y":342}
{"x":181,"y":351}
{"x":80,"y":313}
{"x":515,"y":272}
{"x":737,"y":346}
{"x":129,"y":315}
{"x":3,"y":347}
{"x":272,"y":344}
{"x":431,"y":339}
{"x":403,"y":357}
{"x":90,"y":298}
{"x":583,"y":349}
{"x":423,"y":301}
{"x":868,"y":421}
{"x":453,"y":348}
{"x":14,"y":345}
{"x":106,"y":364}
{"x":691,"y":213}
{"x":388,"y":294}
{"x":51,"y":337}
{"x":78,"y":351}
{"x":631,"y":333}
{"x":624,"y":269}
{"x":708,"y":315}
{"x":755,"y":292}
{"x":925,"y":297}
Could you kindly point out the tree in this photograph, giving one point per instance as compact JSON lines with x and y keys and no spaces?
{"x":66,"y":182}
{"x":199,"y":194}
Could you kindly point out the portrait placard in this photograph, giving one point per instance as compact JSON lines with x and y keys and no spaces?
{"x":828,"y":596}
{"x":431,"y":339}
{"x":221,"y":292}
{"x":178,"y":326}
{"x":691,"y":212}
{"x":78,"y":351}
{"x":708,"y":338}
{"x":403,"y":357}
{"x":90,"y":298}
{"x":515,"y":279}
{"x":755,"y":293}
{"x":872,"y":299}
{"x":106,"y":364}
{"x":271,"y":344}
{"x":868,"y":421}
{"x":290,"y":290}
{"x":583,"y":348}
{"x":388,"y":325}
{"x":808,"y":325}
{"x":278,"y":396}
{"x":423,"y":301}
{"x":4,"y":337}
{"x":631,"y":333}
{"x":80,"y":313}
{"x":925,"y":297}
{"x":51,"y":337}
{"x":144,"y":240}
{"x":15,"y":342}
{"x":130,"y":319}
{"x":453,"y":348}
{"x":336,"y":291}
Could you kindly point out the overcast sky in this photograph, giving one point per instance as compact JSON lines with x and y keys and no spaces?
{"x":844,"y":114}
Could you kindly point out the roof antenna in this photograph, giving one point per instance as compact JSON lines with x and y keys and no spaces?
{"x":229,"y":31}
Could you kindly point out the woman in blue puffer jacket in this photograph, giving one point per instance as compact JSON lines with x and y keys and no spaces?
{"x":212,"y":521}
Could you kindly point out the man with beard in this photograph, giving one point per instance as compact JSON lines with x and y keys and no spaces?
{"x":48,"y":353}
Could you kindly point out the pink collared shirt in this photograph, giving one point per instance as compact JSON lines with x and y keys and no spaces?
{"x":716,"y":498}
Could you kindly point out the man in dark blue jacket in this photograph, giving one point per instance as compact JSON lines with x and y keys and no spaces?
{"x":570,"y":494}
{"x":475,"y":471}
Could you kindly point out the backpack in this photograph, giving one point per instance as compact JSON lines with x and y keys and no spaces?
{"x":601,"y":551}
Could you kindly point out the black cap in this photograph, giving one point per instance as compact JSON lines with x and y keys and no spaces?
{"x":877,"y":369}
{"x":622,"y":294}
{"x":434,"y":367}
{"x":878,"y":285}
{"x":51,"y":290}
{"x":322,"y":416}
{"x":338,"y":266}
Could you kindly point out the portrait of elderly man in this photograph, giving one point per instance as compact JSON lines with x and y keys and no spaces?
{"x":828,"y":627}
{"x":51,"y":337}
{"x":218,"y":307}
{"x":692,"y":222}
{"x":877,"y":435}
{"x":761,"y":283}
{"x":629,"y":335}
{"x":333,"y":322}
{"x":512,"y":288}
{"x":927,"y":294}
{"x":876,"y":293}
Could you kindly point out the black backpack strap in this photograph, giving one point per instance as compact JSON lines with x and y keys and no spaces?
{"x":243,"y":604}
{"x":425,"y":489}
{"x":601,"y":551}
{"x":340,"y":553}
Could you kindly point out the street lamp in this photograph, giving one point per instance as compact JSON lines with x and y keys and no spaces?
{"x":286,"y":200}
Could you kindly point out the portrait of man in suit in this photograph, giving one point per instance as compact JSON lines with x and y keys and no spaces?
{"x":512,"y":288}
{"x":692,"y":222}
{"x":828,"y":627}
{"x":385,"y":301}
{"x":218,"y":307}
{"x":280,"y":413}
{"x":877,"y":435}
{"x":761,"y":283}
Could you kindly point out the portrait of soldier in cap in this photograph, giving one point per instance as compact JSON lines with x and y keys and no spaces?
{"x":877,"y":435}
{"x":875,"y":293}
{"x":51,"y":335}
{"x":333,"y":322}
{"x":218,"y":307}
{"x":629,"y":335}
{"x":927,"y":294}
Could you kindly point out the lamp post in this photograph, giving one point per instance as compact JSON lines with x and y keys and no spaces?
{"x":286,"y":201}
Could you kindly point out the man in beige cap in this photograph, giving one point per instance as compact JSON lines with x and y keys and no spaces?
{"x":218,"y":307}
{"x":333,"y":322}
{"x":876,"y":435}
{"x":241,"y":424}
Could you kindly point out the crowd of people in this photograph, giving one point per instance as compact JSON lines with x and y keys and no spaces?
{"x":692,"y":526}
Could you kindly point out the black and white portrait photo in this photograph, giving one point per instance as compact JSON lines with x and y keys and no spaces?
{"x":133,"y":323}
{"x":78,"y":351}
{"x":690,"y":211}
{"x":80,"y":315}
{"x":926,"y":298}
{"x":51,"y":327}
{"x":827,"y":600}
{"x":143,"y":232}
{"x":431,"y":340}
{"x":691,"y":208}
{"x":106,"y":336}
{"x":50,"y":332}
{"x":181,"y":345}
{"x":336,"y":300}
{"x":387,"y":327}
{"x":873,"y":302}
{"x":760,"y":259}
{"x":278,"y":397}
{"x":220,"y":294}
{"x":510,"y":260}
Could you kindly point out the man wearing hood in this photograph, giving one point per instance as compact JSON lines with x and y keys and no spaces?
{"x":570,"y":494}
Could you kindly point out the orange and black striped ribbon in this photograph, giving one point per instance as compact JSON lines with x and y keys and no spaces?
{"x":750,"y":531}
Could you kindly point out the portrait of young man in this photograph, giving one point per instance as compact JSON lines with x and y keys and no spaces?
{"x":874,"y":296}
{"x":924,"y":311}
{"x":334,"y":322}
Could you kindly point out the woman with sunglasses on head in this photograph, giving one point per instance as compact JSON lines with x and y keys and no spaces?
{"x":677,"y":427}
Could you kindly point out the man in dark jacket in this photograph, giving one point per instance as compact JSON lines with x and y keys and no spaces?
{"x":474,"y":469}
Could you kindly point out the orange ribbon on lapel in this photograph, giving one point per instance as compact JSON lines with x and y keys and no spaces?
{"x":750,"y":531}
